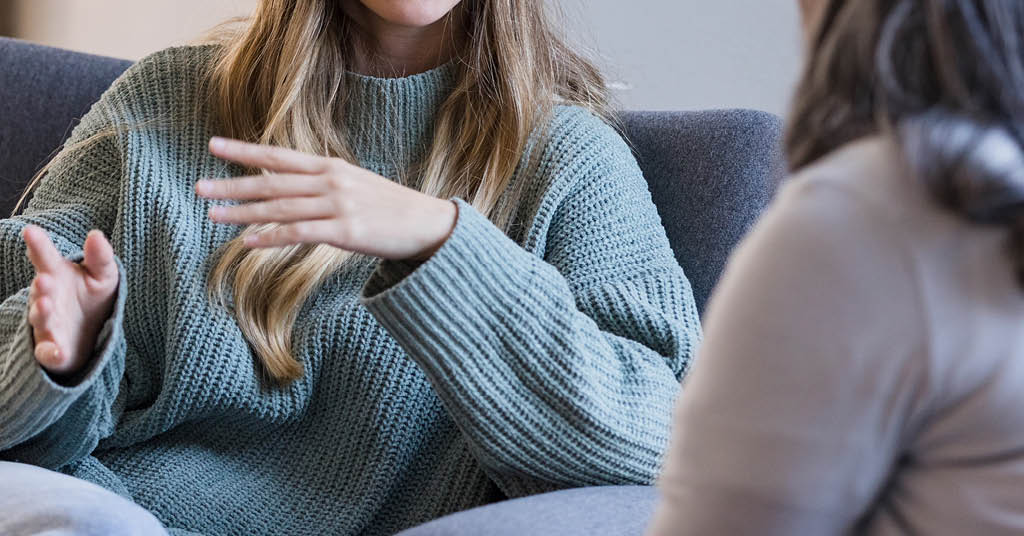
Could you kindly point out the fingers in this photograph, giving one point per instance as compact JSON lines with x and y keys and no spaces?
{"x":276,"y":211}
{"x":98,"y":260}
{"x":266,"y":157}
{"x":261,"y":187}
{"x":48,"y":355}
{"x":305,"y":232}
{"x":46,"y":350}
{"x":43,"y":284}
{"x":41,"y":251}
{"x":39,"y":312}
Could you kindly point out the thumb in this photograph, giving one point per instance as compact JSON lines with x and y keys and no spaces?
{"x":99,"y":257}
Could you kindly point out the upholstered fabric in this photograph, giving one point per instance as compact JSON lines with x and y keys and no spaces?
{"x":710,"y":173}
{"x":43,"y":91}
{"x":593,"y":511}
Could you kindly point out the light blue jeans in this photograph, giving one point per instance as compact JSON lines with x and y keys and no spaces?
{"x":38,"y":502}
{"x":35,"y":501}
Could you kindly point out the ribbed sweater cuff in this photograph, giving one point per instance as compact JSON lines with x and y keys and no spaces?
{"x":426,"y":306}
{"x":30,"y":399}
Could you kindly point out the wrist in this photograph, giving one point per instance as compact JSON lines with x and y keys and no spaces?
{"x":446,"y":214}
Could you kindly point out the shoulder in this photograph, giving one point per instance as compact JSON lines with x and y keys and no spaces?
{"x":594,"y":198}
{"x":578,"y":150}
{"x":871,"y":171}
{"x":821,"y":216}
{"x":578,"y":135}
{"x":577,"y":122}
{"x":172,"y":62}
{"x":823,"y":290}
{"x":828,"y":247}
{"x":162,"y":83}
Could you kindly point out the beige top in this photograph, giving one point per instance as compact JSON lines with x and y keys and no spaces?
{"x":863,"y":369}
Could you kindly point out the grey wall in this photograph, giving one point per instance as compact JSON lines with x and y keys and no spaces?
{"x":693,"y":54}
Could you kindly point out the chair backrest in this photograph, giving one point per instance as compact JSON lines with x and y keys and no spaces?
{"x":43,"y":91}
{"x":710,"y":173}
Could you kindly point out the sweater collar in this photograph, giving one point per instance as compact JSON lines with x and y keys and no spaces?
{"x":390,"y":121}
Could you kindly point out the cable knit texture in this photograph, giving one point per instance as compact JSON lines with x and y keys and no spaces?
{"x":500,"y":367}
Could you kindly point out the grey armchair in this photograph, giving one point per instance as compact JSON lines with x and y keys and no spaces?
{"x":710,"y":174}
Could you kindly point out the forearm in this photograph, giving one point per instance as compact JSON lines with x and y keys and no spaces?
{"x":43,"y":421}
{"x":547,"y":395}
{"x":46,"y":422}
{"x":30,"y":401}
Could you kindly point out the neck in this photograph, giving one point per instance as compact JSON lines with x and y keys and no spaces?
{"x":395,"y":51}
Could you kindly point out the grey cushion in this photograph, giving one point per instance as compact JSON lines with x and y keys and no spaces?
{"x":710,"y":173}
{"x":42,"y":92}
{"x":593,"y":511}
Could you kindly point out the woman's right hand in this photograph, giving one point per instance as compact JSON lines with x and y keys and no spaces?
{"x":69,"y":302}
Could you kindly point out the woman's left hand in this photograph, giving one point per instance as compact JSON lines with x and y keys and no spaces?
{"x":320,"y":200}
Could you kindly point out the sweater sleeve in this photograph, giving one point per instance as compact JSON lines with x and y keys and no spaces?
{"x":43,"y":422}
{"x":809,"y":379}
{"x":561,"y":370}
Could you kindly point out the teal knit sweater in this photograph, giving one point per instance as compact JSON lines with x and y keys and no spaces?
{"x":499,"y":367}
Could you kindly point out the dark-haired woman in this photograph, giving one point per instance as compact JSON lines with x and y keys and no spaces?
{"x":864,"y":364}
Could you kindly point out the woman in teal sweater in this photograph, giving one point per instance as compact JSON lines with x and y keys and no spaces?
{"x":524,"y":329}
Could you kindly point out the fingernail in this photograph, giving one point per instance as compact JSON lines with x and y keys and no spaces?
{"x":251,"y":240}
{"x":202,"y":187}
{"x":215,"y":212}
{"x":217,"y":143}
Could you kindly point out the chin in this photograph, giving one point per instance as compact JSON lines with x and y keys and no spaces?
{"x":412,"y":13}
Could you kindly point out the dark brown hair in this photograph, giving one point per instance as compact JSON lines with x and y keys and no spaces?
{"x":944,"y":77}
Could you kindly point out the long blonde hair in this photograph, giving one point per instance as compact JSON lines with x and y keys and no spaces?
{"x":280,"y":81}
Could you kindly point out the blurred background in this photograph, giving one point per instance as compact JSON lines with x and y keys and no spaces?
{"x":659,"y":54}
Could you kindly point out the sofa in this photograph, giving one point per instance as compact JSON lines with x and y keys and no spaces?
{"x":710,"y":174}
